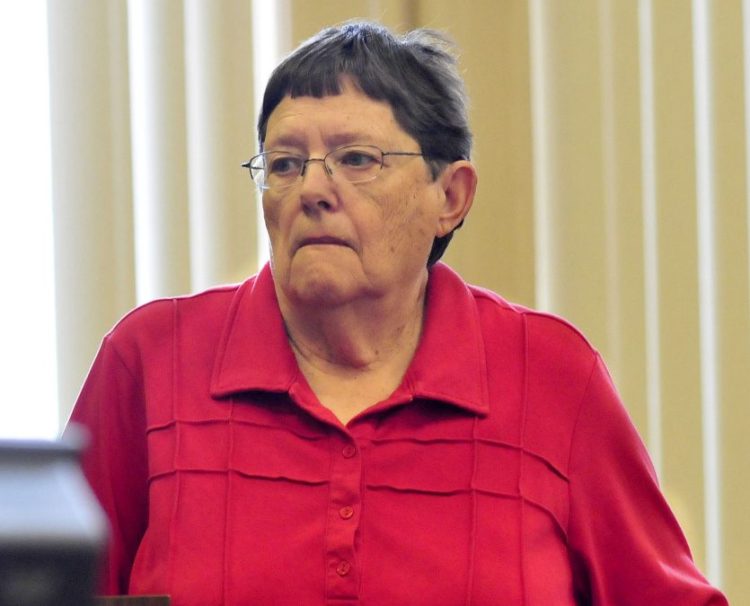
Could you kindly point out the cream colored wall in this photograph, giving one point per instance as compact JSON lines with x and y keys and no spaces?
{"x":91,"y":180}
{"x":152,"y":179}
{"x":732,"y":291}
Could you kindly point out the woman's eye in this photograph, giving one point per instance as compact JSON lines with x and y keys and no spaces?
{"x":284,"y":165}
{"x":357,"y":159}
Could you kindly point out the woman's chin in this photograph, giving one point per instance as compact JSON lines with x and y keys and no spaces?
{"x":314,"y":279}
{"x":329,"y":288}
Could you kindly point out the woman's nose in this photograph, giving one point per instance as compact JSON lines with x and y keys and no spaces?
{"x":317,"y":187}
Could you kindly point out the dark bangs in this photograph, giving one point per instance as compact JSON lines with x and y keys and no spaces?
{"x":414,"y":74}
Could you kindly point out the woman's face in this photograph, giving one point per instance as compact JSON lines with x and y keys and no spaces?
{"x":335,"y":242}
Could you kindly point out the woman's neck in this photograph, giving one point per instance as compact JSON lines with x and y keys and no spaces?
{"x":357,"y":337}
{"x":355,"y":354}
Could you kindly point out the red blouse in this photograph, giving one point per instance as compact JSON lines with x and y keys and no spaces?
{"x":503,"y":470}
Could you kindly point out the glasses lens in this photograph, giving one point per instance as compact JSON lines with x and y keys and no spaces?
{"x":257,"y":172}
{"x":355,"y":163}
{"x":276,"y":170}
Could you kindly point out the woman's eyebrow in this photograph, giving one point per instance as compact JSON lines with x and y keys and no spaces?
{"x":332,"y":141}
{"x":288,"y":140}
{"x":348,"y":137}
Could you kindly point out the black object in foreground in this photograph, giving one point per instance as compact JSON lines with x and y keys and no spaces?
{"x":52,"y":530}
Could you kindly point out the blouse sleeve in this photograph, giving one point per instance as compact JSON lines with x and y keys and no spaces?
{"x":110,"y":407}
{"x":627,"y":546}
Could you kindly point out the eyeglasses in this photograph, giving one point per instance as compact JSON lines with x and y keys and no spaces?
{"x":277,"y":170}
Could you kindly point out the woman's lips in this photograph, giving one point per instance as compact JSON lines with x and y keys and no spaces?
{"x":322,"y":240}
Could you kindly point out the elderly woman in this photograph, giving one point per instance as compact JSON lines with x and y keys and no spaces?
{"x":355,"y":424}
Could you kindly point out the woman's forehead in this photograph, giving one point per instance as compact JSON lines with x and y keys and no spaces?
{"x":348,"y":117}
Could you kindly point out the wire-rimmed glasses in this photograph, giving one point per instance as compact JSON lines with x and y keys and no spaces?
{"x":278,"y":170}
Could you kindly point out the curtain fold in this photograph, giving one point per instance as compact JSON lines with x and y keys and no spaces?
{"x":220,"y":127}
{"x":91,"y":180}
{"x":640,"y":167}
{"x":151,"y":117}
{"x":159,"y":133}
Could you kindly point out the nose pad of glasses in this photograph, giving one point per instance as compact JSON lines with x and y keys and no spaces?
{"x":321,"y":160}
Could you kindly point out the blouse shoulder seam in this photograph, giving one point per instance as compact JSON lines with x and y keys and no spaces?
{"x":109,"y":342}
{"x":596,"y":360}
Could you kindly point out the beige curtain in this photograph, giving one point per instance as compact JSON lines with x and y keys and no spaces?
{"x":612,"y":146}
{"x":151,"y":117}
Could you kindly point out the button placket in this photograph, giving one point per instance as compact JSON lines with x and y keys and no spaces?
{"x":346,"y":471}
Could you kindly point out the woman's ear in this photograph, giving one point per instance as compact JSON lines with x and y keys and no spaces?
{"x":459,"y":183}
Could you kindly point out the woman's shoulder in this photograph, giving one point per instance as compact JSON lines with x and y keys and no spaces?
{"x":547,"y":337}
{"x":159,"y":319}
{"x":547,"y":340}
